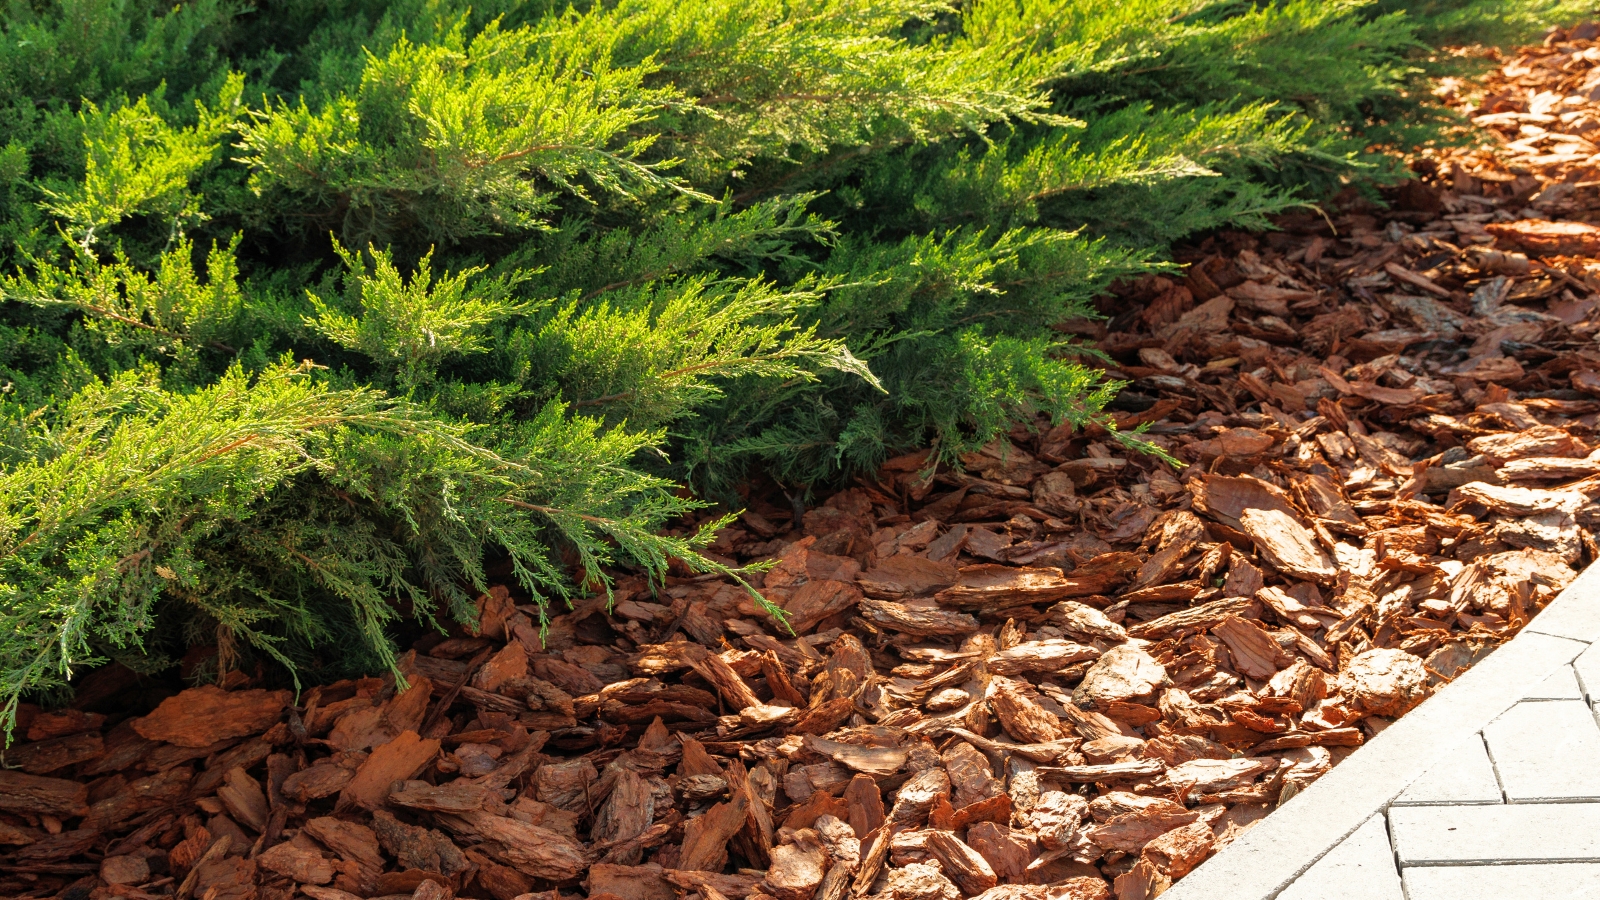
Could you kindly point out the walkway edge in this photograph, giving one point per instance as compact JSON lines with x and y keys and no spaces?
{"x":1267,"y":858}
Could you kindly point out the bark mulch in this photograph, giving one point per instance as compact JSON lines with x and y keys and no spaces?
{"x":1067,"y":671}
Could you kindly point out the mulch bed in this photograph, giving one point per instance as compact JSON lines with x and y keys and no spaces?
{"x":1067,"y":671}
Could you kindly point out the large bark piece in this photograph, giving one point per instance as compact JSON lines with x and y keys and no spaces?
{"x":871,"y":760}
{"x":1051,"y":655}
{"x":960,"y":863}
{"x":705,"y":837}
{"x":1176,"y":853}
{"x":918,"y":797}
{"x":1021,"y":717}
{"x":1287,"y":546}
{"x":354,"y":842}
{"x":1385,"y":682}
{"x":626,"y":813}
{"x":817,"y":600}
{"x":1254,"y":651}
{"x":24,"y":793}
{"x":398,"y":760}
{"x":1055,"y":818}
{"x":202,"y":716}
{"x":303,"y":865}
{"x":1181,"y":532}
{"x":971,"y":775}
{"x":907,"y":576}
{"x":918,"y":881}
{"x":994,"y":586}
{"x":1130,"y":830}
{"x":1197,"y":618}
{"x":535,"y":851}
{"x":51,"y":754}
{"x":647,"y":882}
{"x":865,"y":803}
{"x":917,"y":621}
{"x":1007,"y":850}
{"x":416,"y":847}
{"x":1539,"y":238}
{"x":1123,"y":673}
{"x":734,"y":691}
{"x":797,"y":868}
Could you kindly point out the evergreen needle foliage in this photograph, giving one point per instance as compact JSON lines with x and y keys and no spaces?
{"x":311,"y":313}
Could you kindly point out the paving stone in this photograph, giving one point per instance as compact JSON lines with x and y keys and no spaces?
{"x":1462,"y":775}
{"x":1561,"y":685}
{"x":1514,"y":833}
{"x":1569,"y":881}
{"x":1576,"y":613}
{"x":1265,"y":861}
{"x":1587,"y":668}
{"x":1267,"y":858}
{"x":1546,"y":750}
{"x":1362,"y":865}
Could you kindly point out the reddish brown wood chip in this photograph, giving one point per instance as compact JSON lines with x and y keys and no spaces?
{"x":199,"y":717}
{"x":398,"y":760}
{"x":1287,"y":546}
{"x":1547,"y":238}
{"x":1254,"y":651}
{"x":301,"y":864}
{"x":24,"y":793}
{"x":705,"y":837}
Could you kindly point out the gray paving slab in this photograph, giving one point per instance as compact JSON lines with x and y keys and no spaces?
{"x":1568,"y":881}
{"x":1514,"y":833}
{"x":1576,"y":613}
{"x":1267,"y":858}
{"x":1587,"y":668}
{"x":1463,"y":774}
{"x":1546,"y":751}
{"x":1561,"y":685}
{"x":1362,"y":865}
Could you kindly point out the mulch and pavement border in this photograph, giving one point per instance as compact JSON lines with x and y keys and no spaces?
{"x":1262,"y":863}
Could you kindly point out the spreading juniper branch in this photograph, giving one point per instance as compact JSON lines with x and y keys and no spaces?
{"x":539,"y":268}
{"x":133,"y":491}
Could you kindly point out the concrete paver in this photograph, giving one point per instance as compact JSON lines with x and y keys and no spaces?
{"x":1561,"y":685}
{"x":1484,"y":789}
{"x":1362,"y":865}
{"x":1578,"y":619}
{"x":1546,"y":751}
{"x":1568,"y":881}
{"x":1462,"y":775}
{"x":1269,"y":857}
{"x":1587,"y":668}
{"x":1542,"y":832}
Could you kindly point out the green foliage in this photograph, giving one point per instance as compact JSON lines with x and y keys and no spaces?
{"x":954,"y":323}
{"x":165,"y":310}
{"x":311,"y":310}
{"x":235,"y":501}
{"x":1447,"y":22}
{"x":138,"y":164}
{"x":409,"y":328}
{"x":653,"y":354}
{"x":460,"y":141}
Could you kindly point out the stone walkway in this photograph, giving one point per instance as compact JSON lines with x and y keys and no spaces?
{"x":1488,"y":791}
{"x":1511,"y":811}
